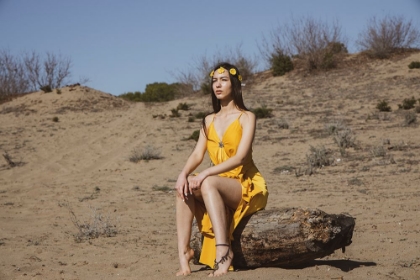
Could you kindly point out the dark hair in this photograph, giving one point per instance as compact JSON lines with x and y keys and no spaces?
{"x":236,"y":91}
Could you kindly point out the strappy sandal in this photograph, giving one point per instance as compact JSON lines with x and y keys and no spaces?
{"x":223,"y":259}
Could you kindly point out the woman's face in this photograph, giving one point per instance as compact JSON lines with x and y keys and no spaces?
{"x":222,"y":85}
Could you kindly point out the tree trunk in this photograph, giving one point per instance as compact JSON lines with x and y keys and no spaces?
{"x":285,"y":237}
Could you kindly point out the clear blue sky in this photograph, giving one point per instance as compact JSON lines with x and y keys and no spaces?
{"x":123,"y":45}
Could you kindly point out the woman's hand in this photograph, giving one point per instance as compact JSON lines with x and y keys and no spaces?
{"x":181,"y":186}
{"x":195,"y":182}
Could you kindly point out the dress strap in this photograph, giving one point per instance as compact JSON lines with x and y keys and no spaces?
{"x":240,"y":115}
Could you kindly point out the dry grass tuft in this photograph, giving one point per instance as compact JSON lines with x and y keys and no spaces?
{"x":98,"y":225}
{"x":410,"y":118}
{"x":148,"y":153}
{"x":319,"y":157}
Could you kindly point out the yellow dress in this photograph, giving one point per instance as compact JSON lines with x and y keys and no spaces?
{"x":254,"y":189}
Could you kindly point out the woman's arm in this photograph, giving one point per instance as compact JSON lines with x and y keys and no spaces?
{"x":192,"y":163}
{"x":248,"y":132}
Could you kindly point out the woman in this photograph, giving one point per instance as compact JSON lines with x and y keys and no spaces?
{"x":231,"y":188}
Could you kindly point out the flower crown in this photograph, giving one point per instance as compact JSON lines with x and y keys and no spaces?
{"x":232,"y":71}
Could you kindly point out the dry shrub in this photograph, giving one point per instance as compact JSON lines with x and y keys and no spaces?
{"x":319,"y":157}
{"x":197,"y":74}
{"x":343,"y":135}
{"x":355,"y":182}
{"x":97,"y":225}
{"x":381,"y":156}
{"x":382,"y":37}
{"x":13,"y":75}
{"x":285,"y":169}
{"x":345,"y":138}
{"x":334,"y":126}
{"x":162,"y":188}
{"x":410,"y":118}
{"x":316,"y":42}
{"x":148,"y":153}
{"x":10,"y":161}
{"x":378,"y":151}
{"x":283,"y":123}
{"x":381,"y":116}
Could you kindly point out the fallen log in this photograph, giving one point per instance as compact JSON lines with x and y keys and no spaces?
{"x":285,"y":237}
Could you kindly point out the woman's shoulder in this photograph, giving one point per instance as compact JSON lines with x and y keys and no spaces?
{"x":209,"y":118}
{"x":247,"y":119}
{"x":247,"y":116}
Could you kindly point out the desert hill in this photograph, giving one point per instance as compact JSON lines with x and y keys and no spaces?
{"x":73,"y":150}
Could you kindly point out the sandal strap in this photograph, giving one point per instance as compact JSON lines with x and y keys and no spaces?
{"x":222,"y":259}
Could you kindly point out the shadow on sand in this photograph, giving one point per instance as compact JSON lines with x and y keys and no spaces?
{"x":344,"y":265}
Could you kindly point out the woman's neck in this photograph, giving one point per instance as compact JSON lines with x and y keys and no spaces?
{"x":228,"y":108}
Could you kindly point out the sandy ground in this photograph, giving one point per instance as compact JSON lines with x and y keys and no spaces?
{"x":80,"y":164}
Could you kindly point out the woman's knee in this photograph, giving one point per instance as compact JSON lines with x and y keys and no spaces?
{"x":207,"y":185}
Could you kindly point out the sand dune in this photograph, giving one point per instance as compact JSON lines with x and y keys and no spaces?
{"x":81,"y":163}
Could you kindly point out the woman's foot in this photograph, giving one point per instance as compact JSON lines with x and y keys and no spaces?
{"x":224,"y":256}
{"x":184,"y":261}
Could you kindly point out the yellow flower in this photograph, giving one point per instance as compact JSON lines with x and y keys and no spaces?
{"x":221,"y":70}
{"x":240,"y":78}
{"x":232,"y":71}
{"x":212,"y":73}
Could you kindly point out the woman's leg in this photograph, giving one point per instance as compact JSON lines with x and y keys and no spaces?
{"x":184,"y":218}
{"x":217,"y":193}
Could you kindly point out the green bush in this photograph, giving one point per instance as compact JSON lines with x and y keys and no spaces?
{"x":55,"y":119}
{"x":383,"y":106}
{"x":159,"y":92}
{"x":58,"y":91}
{"x":328,"y":61}
{"x":337,"y":47}
{"x":281,"y":64}
{"x":414,"y":64}
{"x":408,"y":103}
{"x":194,"y":135}
{"x":183,"y":106}
{"x":262,"y":112}
{"x":46,"y":88}
{"x":175,"y":113}
{"x":132,"y":96}
{"x":200,"y":115}
{"x":156,"y":92}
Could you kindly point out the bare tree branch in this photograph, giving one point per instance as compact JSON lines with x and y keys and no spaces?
{"x":383,"y":36}
{"x":12,"y":75}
